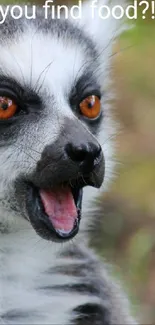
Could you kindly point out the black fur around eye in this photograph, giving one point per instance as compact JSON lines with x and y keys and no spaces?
{"x":25,"y":100}
{"x":86,"y":88}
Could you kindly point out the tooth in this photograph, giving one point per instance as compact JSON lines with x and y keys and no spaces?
{"x":62,"y":231}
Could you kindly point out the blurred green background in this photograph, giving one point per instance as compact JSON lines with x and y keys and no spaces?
{"x":126,"y":232}
{"x":127,"y":229}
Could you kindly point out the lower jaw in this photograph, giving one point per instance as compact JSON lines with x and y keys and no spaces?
{"x":41,"y":222}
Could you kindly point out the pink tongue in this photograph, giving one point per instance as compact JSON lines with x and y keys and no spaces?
{"x":60,"y":207}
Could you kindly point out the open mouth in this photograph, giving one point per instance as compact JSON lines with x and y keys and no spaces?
{"x":55,"y":214}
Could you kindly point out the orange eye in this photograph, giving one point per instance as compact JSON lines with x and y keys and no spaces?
{"x":90,"y":106}
{"x":7,"y":108}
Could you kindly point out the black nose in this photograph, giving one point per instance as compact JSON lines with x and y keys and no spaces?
{"x":87,"y":156}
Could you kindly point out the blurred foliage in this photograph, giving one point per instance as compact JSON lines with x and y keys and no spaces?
{"x":127,"y":227}
{"x":125,"y":234}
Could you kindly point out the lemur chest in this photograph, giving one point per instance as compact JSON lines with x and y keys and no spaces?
{"x":36,"y":285}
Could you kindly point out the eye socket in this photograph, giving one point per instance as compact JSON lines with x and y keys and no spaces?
{"x":90,"y":106}
{"x":8,"y":108}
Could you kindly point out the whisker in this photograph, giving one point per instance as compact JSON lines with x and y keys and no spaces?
{"x":25,"y":152}
{"x":123,"y":50}
{"x":45,"y":70}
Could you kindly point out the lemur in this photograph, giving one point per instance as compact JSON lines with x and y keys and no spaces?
{"x":55,"y":153}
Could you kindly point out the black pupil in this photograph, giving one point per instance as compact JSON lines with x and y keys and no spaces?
{"x":91,"y":104}
{"x":4,"y":106}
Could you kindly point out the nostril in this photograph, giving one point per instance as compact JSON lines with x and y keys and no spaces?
{"x":98,"y":151}
{"x":76,"y":153}
{"x":88,"y":154}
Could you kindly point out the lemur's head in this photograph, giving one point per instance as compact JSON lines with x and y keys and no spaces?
{"x":52,"y":102}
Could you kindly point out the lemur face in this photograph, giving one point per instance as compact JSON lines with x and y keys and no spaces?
{"x":51,"y":107}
